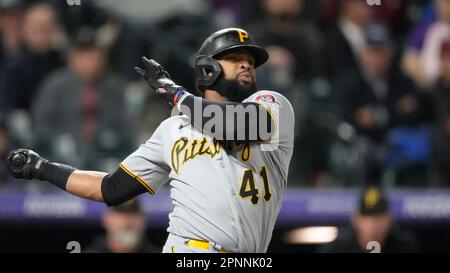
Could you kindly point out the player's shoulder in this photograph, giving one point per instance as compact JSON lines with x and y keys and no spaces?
{"x":273,"y":100}
{"x":175,"y":120}
{"x":170,"y":127}
{"x":269,"y":96}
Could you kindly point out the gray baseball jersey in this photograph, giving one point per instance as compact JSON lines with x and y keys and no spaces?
{"x":227,"y":195}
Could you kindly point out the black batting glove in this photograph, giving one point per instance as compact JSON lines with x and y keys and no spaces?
{"x":26,"y":164}
{"x":158,"y":78}
{"x":154,"y":74}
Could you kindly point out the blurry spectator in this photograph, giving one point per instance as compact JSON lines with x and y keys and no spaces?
{"x":315,"y":120}
{"x":393,"y":13}
{"x":346,"y":41}
{"x":250,"y":11}
{"x":421,"y":58}
{"x":373,"y":221}
{"x":89,"y":13}
{"x":125,"y":231}
{"x":293,"y":44}
{"x":409,"y":144}
{"x":126,"y":43}
{"x":10,"y":20}
{"x":373,"y":101}
{"x":378,"y":96}
{"x":441,"y":95}
{"x":125,"y":39}
{"x":22,"y":75}
{"x":365,"y":93}
{"x":294,"y":69}
{"x":80,"y":111}
{"x":184,"y":32}
{"x":396,"y":15}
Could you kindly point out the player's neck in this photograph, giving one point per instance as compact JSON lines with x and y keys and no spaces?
{"x":213,"y":95}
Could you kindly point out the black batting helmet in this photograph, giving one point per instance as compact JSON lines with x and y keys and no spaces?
{"x":207,"y":69}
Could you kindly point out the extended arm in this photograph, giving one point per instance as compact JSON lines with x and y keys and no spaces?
{"x":86,"y":184}
{"x":113,"y":189}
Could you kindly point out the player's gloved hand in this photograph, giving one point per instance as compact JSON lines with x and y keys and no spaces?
{"x":26,"y":164}
{"x":154,"y":74}
{"x":160,"y":81}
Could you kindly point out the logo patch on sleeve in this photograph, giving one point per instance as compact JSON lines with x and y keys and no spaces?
{"x":266,"y":98}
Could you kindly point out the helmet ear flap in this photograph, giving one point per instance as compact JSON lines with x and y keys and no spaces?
{"x":207,"y":71}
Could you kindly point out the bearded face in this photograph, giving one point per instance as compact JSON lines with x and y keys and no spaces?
{"x":234,"y":90}
{"x":238,"y":79}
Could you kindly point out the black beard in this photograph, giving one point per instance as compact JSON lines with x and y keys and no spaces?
{"x":233,"y":90}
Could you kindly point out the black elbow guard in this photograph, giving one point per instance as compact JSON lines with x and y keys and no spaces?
{"x":120,"y":187}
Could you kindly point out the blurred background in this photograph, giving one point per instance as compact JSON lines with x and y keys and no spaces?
{"x":369,"y":84}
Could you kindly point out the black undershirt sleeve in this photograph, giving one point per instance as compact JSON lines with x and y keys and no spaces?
{"x":120,"y":187}
{"x":246,"y":129}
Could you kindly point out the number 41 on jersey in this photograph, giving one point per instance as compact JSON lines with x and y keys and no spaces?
{"x":248,"y":188}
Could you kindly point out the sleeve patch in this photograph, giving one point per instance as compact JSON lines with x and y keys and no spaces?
{"x":266,"y":98}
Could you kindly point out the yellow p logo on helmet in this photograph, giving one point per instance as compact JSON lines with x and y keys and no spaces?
{"x":242,"y":35}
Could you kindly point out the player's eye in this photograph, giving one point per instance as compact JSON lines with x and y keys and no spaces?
{"x":231,"y":58}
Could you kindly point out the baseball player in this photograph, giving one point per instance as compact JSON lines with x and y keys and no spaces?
{"x":227,"y":182}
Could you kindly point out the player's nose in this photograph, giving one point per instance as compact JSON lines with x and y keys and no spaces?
{"x":245,"y":65}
